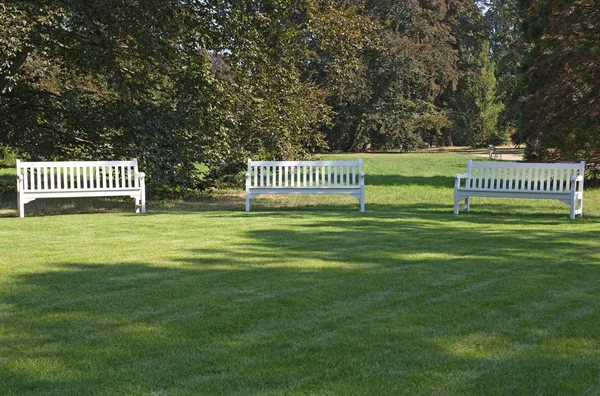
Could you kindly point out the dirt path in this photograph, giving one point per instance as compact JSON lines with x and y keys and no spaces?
{"x":505,"y":157}
{"x":508,"y":153}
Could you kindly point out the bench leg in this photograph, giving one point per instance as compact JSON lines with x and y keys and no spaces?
{"x":576,"y":208}
{"x":572,"y":214}
{"x":21,"y":206}
{"x":458,"y":206}
{"x":140,"y":204}
{"x":247,"y":204}
{"x":362,"y":203}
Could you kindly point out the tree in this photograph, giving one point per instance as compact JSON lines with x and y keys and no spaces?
{"x":559,"y":112}
{"x":471,"y":104}
{"x":98,"y":80}
{"x":409,"y":65}
{"x":507,"y":48}
{"x":172,"y":83}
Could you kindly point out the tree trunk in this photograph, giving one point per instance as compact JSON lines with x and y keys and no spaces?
{"x":449,"y":140}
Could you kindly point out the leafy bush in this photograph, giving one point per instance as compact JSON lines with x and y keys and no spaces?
{"x":7,"y":157}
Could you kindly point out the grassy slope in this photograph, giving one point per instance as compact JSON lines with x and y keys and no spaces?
{"x":306,"y":294}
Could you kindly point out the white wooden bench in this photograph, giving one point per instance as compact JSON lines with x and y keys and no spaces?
{"x":305,"y":177}
{"x":72,"y":179}
{"x":561,"y":181}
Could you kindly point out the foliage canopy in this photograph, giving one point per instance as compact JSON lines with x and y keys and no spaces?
{"x":173,"y":83}
{"x":178,"y":83}
{"x":560,"y":106}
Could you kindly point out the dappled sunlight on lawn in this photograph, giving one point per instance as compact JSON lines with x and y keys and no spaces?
{"x":305,"y":296}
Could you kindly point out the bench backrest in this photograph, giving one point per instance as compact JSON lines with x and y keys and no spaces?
{"x":78,"y":175}
{"x":522,"y":176}
{"x":275,"y":174}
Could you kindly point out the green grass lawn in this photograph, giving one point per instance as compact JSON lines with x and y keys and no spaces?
{"x":305,"y":294}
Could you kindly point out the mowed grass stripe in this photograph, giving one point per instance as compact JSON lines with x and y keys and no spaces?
{"x":307,"y":295}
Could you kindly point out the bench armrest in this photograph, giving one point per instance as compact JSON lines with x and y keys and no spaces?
{"x":140,"y":175}
{"x":575,"y":180}
{"x":458,"y":177}
{"x":247,"y":175}
{"x":362,"y":175}
{"x":20,"y":182}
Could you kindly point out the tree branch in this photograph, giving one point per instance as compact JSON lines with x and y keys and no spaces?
{"x":19,"y":59}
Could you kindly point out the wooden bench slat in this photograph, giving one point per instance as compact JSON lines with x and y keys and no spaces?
{"x":303,"y":163}
{"x":302,"y":176}
{"x":70,"y":172}
{"x":335,"y":176}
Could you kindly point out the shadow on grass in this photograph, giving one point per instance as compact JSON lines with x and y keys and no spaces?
{"x":61,"y":206}
{"x":481,"y":213}
{"x":483,"y":210}
{"x":400,"y":180}
{"x":341,"y":305}
{"x":229,"y":200}
{"x":7,"y":178}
